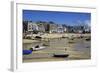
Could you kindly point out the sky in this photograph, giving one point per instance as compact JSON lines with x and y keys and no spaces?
{"x":69,"y":18}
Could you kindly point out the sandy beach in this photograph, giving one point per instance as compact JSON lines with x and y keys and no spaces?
{"x":77,"y":48}
{"x":59,"y":35}
{"x":55,"y":35}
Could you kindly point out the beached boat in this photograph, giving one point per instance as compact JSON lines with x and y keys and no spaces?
{"x":60,"y":55}
{"x":38,"y":37}
{"x":38,"y":48}
{"x":27,"y":52}
{"x":88,"y":39}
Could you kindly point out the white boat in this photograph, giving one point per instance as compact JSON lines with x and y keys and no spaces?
{"x":38,"y":48}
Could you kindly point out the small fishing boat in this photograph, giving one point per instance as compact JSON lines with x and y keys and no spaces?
{"x":27,"y":52}
{"x":38,"y":37}
{"x":38,"y":48}
{"x":61,"y":55}
{"x":88,"y":39}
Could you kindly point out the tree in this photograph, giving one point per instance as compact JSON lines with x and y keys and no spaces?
{"x":25,"y":28}
{"x":25,"y":24}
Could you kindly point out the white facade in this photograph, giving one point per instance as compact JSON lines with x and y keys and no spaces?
{"x":32,"y":26}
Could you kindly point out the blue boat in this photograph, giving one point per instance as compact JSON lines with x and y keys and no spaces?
{"x":27,"y":52}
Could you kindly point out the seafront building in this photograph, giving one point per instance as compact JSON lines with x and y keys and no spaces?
{"x":30,"y":27}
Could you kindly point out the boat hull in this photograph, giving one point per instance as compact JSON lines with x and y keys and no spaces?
{"x":61,"y":55}
{"x":27,"y":52}
{"x":40,"y":48}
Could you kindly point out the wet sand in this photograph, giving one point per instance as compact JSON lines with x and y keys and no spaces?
{"x":77,"y":48}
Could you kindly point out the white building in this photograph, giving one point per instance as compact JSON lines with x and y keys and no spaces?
{"x":41,"y":28}
{"x":53,"y":28}
{"x":32,"y":26}
{"x":61,"y":29}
